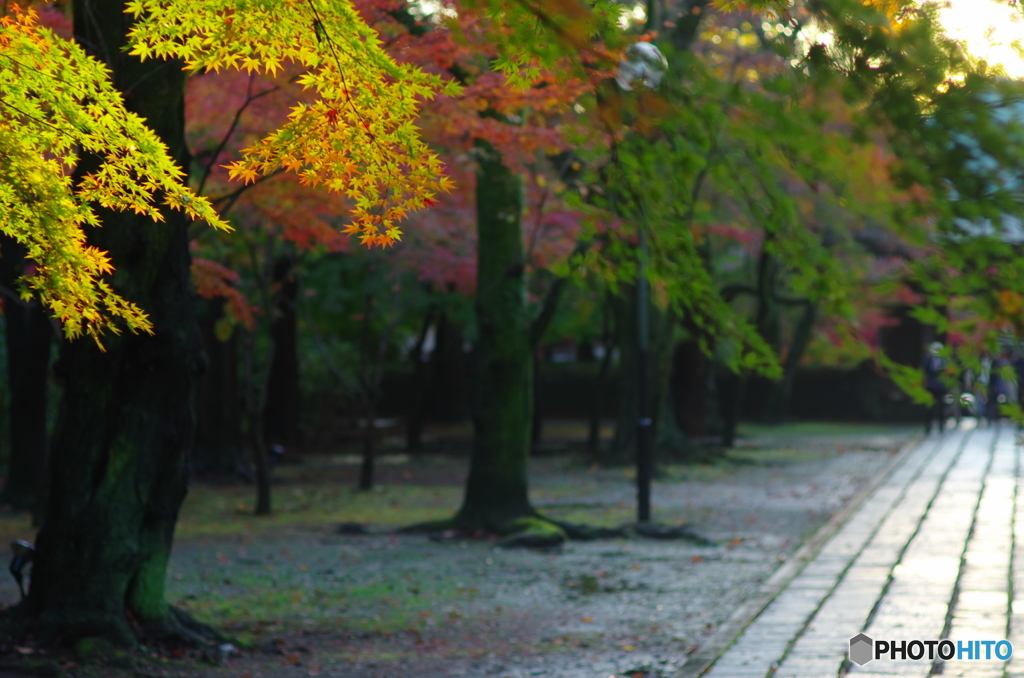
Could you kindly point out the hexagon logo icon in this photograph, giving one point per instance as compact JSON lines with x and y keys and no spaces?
{"x":861,"y":649}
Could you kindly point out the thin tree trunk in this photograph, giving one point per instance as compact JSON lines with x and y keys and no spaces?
{"x":766,"y":320}
{"x":668,"y":435}
{"x":496,"y":490}
{"x":118,"y":471}
{"x":690,"y":372}
{"x":281,"y":411}
{"x":369,"y":443}
{"x":622,"y":444}
{"x":777,"y":407}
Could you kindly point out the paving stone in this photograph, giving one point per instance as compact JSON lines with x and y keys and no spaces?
{"x":923,"y":532}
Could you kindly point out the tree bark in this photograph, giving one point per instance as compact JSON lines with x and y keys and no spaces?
{"x":29,"y":337}
{"x":118,"y":471}
{"x":496,"y":490}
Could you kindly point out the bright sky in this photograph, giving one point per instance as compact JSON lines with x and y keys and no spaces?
{"x":988,"y":27}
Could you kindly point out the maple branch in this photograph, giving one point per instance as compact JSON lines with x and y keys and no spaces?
{"x":34,"y":119}
{"x":538,"y":225}
{"x":233,"y":196}
{"x":544,"y":18}
{"x":249,"y":98}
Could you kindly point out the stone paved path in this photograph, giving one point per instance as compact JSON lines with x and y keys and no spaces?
{"x":937,"y":551}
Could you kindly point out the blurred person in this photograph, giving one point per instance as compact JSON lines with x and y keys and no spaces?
{"x":981,"y":389}
{"x":998,"y":386}
{"x":934,"y":366}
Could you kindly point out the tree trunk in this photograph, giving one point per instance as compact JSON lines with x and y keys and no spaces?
{"x":624,"y":306}
{"x":537,"y":420}
{"x":496,"y":491}
{"x":766,"y":320}
{"x":668,"y":436}
{"x":29,"y":337}
{"x":217,"y":450}
{"x":281,"y":412}
{"x":369,"y":444}
{"x":254,"y":395}
{"x":690,"y":372}
{"x":777,"y":407}
{"x":118,"y":472}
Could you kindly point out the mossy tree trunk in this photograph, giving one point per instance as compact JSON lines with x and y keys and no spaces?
{"x":496,"y":490}
{"x":118,"y":471}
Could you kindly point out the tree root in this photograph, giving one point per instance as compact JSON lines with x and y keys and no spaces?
{"x":430,"y":527}
{"x":656,"y":531}
{"x":537,"y":531}
{"x":532,"y":532}
{"x":180,"y":628}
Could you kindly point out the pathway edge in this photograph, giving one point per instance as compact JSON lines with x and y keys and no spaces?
{"x":698,"y":663}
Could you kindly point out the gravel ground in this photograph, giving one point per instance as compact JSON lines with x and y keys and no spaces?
{"x":387,"y":605}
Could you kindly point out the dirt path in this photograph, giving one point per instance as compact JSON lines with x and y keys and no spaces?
{"x":310,"y":602}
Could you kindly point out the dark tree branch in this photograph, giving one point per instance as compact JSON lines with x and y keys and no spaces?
{"x":543,"y":320}
{"x":249,"y":98}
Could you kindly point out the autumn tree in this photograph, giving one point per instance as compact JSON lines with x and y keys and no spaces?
{"x":118,"y":472}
